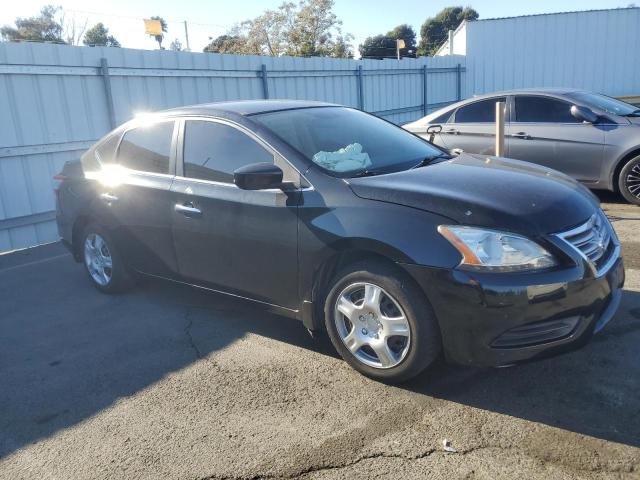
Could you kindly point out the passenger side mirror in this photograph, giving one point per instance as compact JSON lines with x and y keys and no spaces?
{"x":583,"y":114}
{"x":258,"y":176}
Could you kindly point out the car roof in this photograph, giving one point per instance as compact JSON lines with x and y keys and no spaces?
{"x":246,"y":107}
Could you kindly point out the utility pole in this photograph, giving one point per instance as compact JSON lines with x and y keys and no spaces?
{"x":186,"y":36}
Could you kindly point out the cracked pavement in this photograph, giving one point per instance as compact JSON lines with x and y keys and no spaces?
{"x":172,"y":382}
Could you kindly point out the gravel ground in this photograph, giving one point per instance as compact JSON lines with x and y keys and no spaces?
{"x":171,"y":382}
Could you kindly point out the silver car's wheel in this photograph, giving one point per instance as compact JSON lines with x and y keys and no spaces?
{"x":372,"y":325}
{"x":97,"y":259}
{"x":632,"y":181}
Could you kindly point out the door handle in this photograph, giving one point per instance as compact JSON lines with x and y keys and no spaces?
{"x":521,"y":135}
{"x":452,"y":131}
{"x":188,"y":210}
{"x":108,"y":197}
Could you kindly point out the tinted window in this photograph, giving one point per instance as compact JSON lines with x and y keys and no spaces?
{"x":478,"y":112}
{"x":444,"y":118}
{"x":147,"y":148}
{"x":212,"y":151}
{"x":343,"y":141}
{"x":541,"y":109}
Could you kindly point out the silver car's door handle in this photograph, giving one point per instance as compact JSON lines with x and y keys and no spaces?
{"x":108,"y":197}
{"x":188,"y":210}
{"x":522,"y":135}
{"x":451,"y":131}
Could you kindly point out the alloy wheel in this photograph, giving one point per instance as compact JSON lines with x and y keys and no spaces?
{"x":632,"y":181}
{"x":372,"y":325}
{"x":97,"y":258}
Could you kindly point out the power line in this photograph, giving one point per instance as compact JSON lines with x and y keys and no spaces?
{"x":133,"y":17}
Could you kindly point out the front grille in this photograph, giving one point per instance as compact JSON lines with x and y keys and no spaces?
{"x":594,"y":240}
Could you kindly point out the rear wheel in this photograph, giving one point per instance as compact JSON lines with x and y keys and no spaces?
{"x":629,"y":181}
{"x":103,"y":263}
{"x":381,"y":323}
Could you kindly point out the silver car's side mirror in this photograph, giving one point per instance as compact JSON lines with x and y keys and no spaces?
{"x":584,"y":114}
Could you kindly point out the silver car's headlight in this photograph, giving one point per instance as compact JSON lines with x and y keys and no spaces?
{"x":491,"y":250}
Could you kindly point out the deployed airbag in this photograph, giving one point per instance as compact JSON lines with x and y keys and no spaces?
{"x":349,"y":158}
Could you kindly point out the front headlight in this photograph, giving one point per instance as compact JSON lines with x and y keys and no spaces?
{"x":491,"y":250}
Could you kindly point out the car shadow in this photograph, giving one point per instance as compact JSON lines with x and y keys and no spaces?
{"x":68,"y":352}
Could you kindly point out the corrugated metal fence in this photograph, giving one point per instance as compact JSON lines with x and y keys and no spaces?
{"x":56,"y":100}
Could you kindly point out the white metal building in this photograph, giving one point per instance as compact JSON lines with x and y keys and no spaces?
{"x":596,"y":50}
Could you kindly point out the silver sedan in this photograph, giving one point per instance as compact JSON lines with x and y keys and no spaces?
{"x":590,"y":137}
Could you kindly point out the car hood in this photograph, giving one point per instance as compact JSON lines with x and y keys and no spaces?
{"x":486,"y":191}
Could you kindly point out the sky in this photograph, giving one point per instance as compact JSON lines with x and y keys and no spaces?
{"x":210,"y":18}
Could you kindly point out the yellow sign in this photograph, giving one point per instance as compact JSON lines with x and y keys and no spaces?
{"x":400,"y":43}
{"x":152,"y":27}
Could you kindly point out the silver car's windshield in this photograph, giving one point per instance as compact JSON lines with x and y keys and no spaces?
{"x":608,"y":104}
{"x":345,"y":142}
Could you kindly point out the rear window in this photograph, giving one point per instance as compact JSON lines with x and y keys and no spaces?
{"x":483,"y":111}
{"x":147,"y":148}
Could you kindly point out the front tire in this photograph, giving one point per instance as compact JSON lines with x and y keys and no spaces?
{"x":380,"y":322}
{"x":629,"y":181}
{"x":102,"y":261}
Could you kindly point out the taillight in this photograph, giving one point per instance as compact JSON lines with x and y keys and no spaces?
{"x":57,"y":181}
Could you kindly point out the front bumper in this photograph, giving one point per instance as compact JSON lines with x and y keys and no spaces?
{"x":489,"y":319}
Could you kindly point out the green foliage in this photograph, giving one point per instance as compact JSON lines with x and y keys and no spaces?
{"x":40,"y":28}
{"x":384,"y":46}
{"x":434,"y":31}
{"x":308,"y":28}
{"x":163,"y":24}
{"x":98,"y":35}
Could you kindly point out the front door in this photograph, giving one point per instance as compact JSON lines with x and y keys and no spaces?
{"x":543,"y":131}
{"x":237,"y":241}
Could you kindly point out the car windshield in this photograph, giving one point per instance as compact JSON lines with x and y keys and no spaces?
{"x":345,"y":142}
{"x":608,"y":104}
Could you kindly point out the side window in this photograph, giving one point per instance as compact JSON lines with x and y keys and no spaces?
{"x":106,"y":151}
{"x":147,"y":148}
{"x":483,"y":111}
{"x":444,"y":118}
{"x":212,"y":151}
{"x":543,"y":110}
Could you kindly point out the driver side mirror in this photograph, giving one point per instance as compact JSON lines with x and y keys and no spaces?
{"x":584,"y":114}
{"x":258,"y":176}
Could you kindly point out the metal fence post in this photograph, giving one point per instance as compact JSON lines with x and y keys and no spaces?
{"x":425,"y":105}
{"x":459,"y":80}
{"x":360,"y":88}
{"x":104,"y":72}
{"x":265,"y":83}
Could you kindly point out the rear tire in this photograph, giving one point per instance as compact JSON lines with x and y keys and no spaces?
{"x":629,"y":181}
{"x":102,"y":261}
{"x":380,"y":322}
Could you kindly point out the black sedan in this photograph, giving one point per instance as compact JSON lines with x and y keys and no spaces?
{"x":351,"y":225}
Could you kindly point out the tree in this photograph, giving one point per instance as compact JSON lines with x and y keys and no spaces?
{"x":40,"y":28}
{"x":384,"y":46}
{"x":163,"y":26}
{"x":72,"y":28}
{"x":308,"y":28}
{"x":98,"y":35}
{"x":176,"y":45}
{"x":434,"y":30}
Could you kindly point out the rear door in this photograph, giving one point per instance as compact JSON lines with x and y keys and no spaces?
{"x":543,"y":131}
{"x":136,"y":199}
{"x":238,"y":241}
{"x":472,"y":127}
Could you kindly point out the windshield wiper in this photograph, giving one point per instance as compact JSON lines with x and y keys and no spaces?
{"x":429,"y":160}
{"x":366,"y":173}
